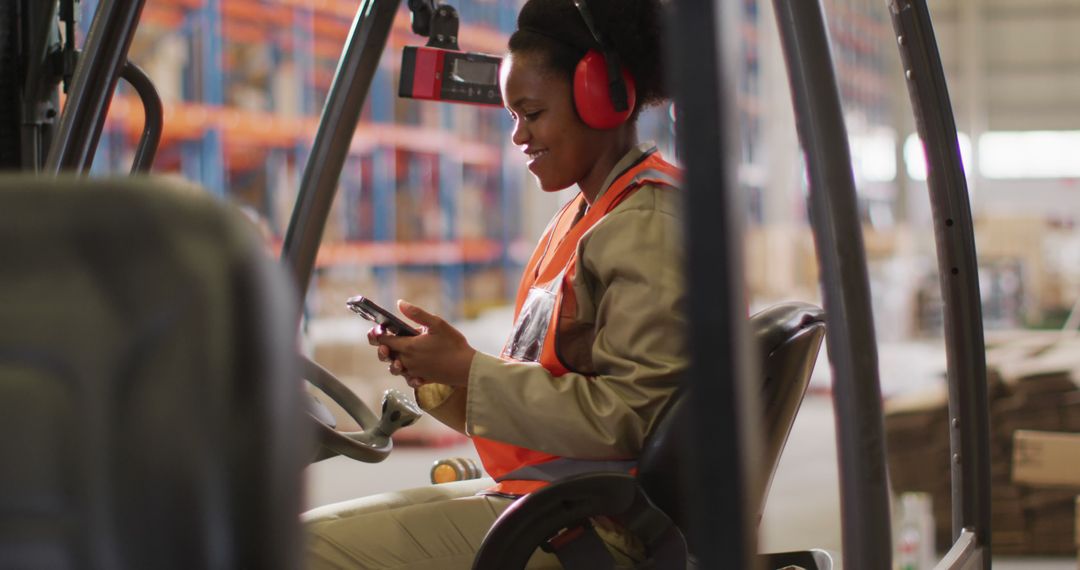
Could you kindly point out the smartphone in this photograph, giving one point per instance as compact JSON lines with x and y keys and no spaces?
{"x":371,"y":311}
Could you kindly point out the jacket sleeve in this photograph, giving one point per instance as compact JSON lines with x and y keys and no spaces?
{"x":444,"y":403}
{"x":629,"y":284}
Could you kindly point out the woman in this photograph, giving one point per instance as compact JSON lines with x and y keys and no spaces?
{"x":597,"y":346}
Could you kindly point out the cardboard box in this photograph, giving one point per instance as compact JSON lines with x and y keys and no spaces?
{"x":1046,"y":458}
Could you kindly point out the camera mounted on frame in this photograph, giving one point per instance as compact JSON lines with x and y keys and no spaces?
{"x":439,"y":70}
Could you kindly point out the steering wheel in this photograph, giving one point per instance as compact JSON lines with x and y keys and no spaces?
{"x":371,"y":445}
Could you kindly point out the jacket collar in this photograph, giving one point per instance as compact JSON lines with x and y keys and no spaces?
{"x":636,"y":154}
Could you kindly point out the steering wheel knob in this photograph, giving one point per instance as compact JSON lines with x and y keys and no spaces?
{"x":398,"y":411}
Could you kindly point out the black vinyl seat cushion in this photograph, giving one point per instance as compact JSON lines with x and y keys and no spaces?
{"x":150,"y":410}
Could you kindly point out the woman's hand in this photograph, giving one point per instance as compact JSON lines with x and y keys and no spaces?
{"x":439,"y":354}
{"x":386,"y":355}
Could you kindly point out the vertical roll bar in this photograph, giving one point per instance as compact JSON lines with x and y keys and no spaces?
{"x":39,"y":92}
{"x":724,"y":410}
{"x":352,"y":80}
{"x":954,"y":235}
{"x":864,"y":497}
{"x":99,"y":68}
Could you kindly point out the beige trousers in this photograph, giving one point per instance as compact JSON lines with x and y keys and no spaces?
{"x":428,"y":528}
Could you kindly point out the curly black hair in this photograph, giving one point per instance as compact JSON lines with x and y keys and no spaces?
{"x":555,"y":29}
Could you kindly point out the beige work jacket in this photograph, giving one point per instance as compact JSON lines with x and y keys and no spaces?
{"x":629,"y":288}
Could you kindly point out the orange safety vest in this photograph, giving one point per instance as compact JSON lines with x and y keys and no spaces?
{"x":545,"y":298}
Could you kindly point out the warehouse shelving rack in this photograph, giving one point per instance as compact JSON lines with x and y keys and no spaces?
{"x":402,"y":150}
{"x":254,"y":152}
{"x":861,"y":44}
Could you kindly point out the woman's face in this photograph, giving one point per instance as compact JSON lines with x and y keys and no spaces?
{"x":561,"y":149}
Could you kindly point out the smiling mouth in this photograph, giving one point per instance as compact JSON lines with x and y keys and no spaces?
{"x":535,"y":155}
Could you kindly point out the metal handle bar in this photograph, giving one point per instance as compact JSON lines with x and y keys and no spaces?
{"x":153,"y":113}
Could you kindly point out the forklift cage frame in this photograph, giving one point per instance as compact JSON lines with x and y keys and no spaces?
{"x":714,"y":232}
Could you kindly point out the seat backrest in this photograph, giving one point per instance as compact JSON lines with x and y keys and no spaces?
{"x":150,"y":412}
{"x":789,"y":337}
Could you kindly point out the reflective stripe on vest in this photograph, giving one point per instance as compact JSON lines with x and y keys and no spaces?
{"x":565,"y":467}
{"x":518,"y":470}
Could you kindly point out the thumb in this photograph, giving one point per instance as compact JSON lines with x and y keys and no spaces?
{"x":419,"y":315}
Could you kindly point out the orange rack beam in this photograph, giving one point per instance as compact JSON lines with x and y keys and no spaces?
{"x":187,"y":121}
{"x":409,"y":253}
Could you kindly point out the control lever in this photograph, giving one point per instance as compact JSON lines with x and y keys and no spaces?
{"x":398,"y":411}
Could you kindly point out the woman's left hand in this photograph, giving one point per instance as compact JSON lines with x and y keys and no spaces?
{"x":439,"y":354}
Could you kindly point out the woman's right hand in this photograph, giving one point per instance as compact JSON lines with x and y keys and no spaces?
{"x":384,"y":354}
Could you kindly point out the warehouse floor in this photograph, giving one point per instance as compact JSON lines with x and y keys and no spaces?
{"x":802,"y":511}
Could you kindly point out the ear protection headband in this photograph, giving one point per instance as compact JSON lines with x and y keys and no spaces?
{"x":604,"y":93}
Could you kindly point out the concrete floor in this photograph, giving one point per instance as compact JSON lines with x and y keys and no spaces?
{"x":802,"y":510}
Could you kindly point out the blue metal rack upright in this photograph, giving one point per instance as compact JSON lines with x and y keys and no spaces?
{"x":450,"y":173}
{"x":510,"y":183}
{"x":212,"y":93}
{"x":384,"y":176}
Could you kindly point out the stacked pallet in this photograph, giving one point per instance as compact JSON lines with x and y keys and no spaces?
{"x":1030,"y":386}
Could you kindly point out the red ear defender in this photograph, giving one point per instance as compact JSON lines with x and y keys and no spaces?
{"x":592,"y":96}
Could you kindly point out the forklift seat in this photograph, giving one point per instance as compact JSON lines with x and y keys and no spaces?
{"x":652,"y":505}
{"x":150,"y":413}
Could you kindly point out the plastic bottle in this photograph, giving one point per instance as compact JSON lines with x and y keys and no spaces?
{"x":915,"y":532}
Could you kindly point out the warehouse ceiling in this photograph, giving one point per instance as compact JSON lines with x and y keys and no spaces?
{"x":1012,"y":65}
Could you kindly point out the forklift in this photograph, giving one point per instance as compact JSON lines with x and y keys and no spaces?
{"x":149,"y":407}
